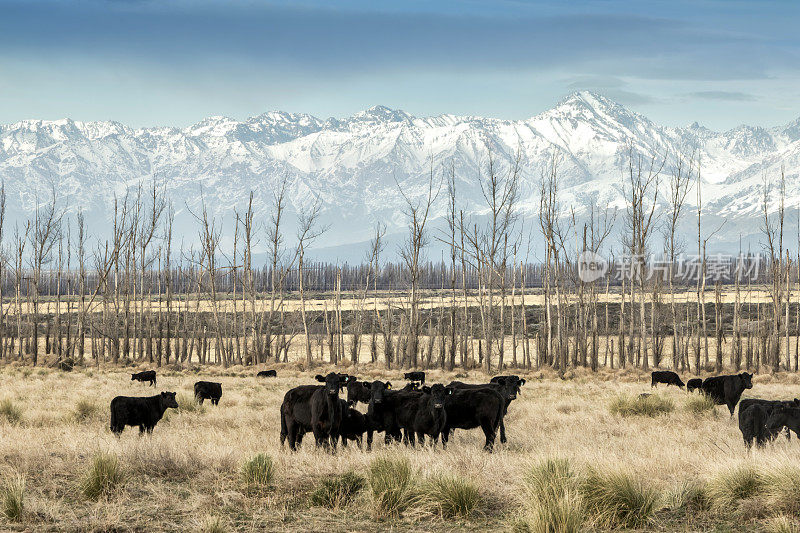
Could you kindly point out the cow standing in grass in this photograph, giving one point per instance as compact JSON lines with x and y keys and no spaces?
{"x":147,"y":375}
{"x":296,"y":413}
{"x":507,"y":386}
{"x":694,"y":384}
{"x":753,"y":425}
{"x":142,"y":412}
{"x":726,"y":390}
{"x":208,"y":390}
{"x":667,"y":377}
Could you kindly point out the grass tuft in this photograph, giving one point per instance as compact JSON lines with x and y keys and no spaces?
{"x":392,"y":487}
{"x":700,"y":405}
{"x":338,"y":491}
{"x":619,"y":500}
{"x":85,"y":409}
{"x":104,"y":477}
{"x":188,"y":404}
{"x":730,"y":488}
{"x":651,"y":406}
{"x":259,"y":472}
{"x":453,"y":496}
{"x":212,"y":524}
{"x":782,"y":524}
{"x":554,"y":503}
{"x":10,"y":411}
{"x":13,"y":498}
{"x":782,"y":490}
{"x":690,"y":496}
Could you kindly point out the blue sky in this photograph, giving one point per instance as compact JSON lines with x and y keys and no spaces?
{"x":146,"y":63}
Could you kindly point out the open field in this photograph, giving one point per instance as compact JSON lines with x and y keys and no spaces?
{"x":319,"y":301}
{"x":188,"y":475}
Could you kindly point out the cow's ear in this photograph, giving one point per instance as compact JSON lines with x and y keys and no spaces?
{"x":389,"y":385}
{"x":426,"y":389}
{"x":522,"y":381}
{"x":449,"y":391}
{"x":319,"y":377}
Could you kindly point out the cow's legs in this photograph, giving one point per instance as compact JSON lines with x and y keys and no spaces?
{"x":502,"y":432}
{"x":292,"y":434}
{"x":490,"y":431}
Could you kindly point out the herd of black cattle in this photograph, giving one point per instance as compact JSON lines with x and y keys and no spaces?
{"x":760,"y":421}
{"x":417,"y":410}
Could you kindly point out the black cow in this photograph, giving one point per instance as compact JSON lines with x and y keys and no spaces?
{"x":472,"y":408}
{"x":392,"y":411}
{"x":726,"y":390}
{"x":142,"y":412}
{"x":431,"y":414}
{"x":415,"y":376}
{"x":694,"y":384}
{"x":267,"y":374}
{"x":147,"y":375}
{"x":753,"y":425}
{"x":784,"y":417}
{"x":353,"y":426}
{"x":296,"y":411}
{"x":358,"y":391}
{"x":665,"y":376}
{"x":414,"y":386}
{"x":326,"y":411}
{"x":507,"y":386}
{"x":769,"y":406}
{"x":208,"y":390}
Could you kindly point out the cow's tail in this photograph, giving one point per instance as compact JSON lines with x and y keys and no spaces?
{"x":113,"y":417}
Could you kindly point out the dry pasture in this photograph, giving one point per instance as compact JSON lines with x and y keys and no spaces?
{"x":187,"y":476}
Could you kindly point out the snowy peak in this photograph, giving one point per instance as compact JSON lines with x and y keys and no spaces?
{"x":353,"y":165}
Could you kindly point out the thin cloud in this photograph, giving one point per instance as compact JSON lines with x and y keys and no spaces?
{"x":728,"y":96}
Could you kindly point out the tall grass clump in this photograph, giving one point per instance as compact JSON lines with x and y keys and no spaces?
{"x":212,"y":524}
{"x":782,"y":490}
{"x":700,"y":405}
{"x":619,"y":499}
{"x":10,"y":411}
{"x":391,"y":481}
{"x":259,"y":472}
{"x":453,"y":496}
{"x":188,"y":404}
{"x":338,"y":491}
{"x":85,"y":409}
{"x":554,"y":503}
{"x":782,"y":524}
{"x":689,"y":496}
{"x":105,"y":475}
{"x":13,"y":497}
{"x":651,"y":406}
{"x":730,"y":488}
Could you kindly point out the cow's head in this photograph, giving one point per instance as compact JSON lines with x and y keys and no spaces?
{"x":509,"y":387}
{"x":377,"y":391}
{"x":358,"y":391}
{"x":333,"y":382}
{"x":439,"y":394}
{"x":414,"y":386}
{"x":168,"y":398}
{"x":747,"y":380}
{"x":133,"y":376}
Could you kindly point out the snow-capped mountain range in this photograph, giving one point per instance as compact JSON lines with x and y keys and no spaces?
{"x":357,"y":167}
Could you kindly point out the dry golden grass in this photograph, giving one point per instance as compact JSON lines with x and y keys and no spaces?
{"x":193,"y":473}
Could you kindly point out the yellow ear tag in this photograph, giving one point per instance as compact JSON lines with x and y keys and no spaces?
{"x":389,"y":387}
